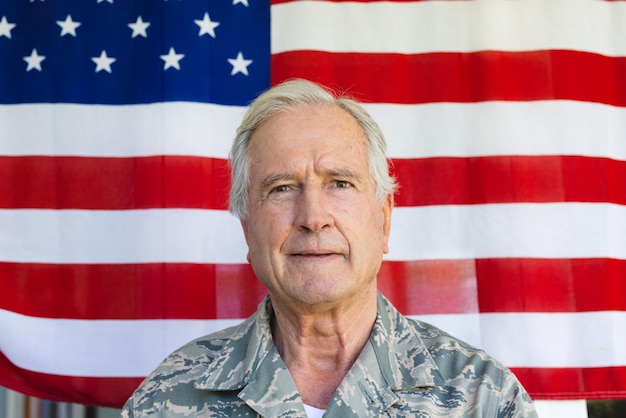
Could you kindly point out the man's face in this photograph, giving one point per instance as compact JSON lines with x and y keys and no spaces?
{"x":316,"y":232}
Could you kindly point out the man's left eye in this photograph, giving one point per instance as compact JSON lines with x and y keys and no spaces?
{"x":342,"y":184}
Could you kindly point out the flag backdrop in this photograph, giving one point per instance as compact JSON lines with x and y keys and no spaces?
{"x":506,"y":126}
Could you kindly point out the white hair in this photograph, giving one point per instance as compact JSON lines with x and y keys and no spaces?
{"x":284,"y":97}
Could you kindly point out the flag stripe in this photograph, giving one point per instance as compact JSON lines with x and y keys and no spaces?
{"x":551,"y":285}
{"x":130,"y":236}
{"x":571,"y":408}
{"x":130,"y":291}
{"x":104,"y":340}
{"x":544,"y":230}
{"x":109,"y":392}
{"x":163,"y":181}
{"x":552,"y":335}
{"x":211,"y":291}
{"x":574,"y":382}
{"x":542,"y":341}
{"x":412,"y":131}
{"x":509,"y":179}
{"x":420,"y":27}
{"x":450,"y":76}
{"x":502,"y":128}
{"x":115,"y":183}
{"x":180,"y":128}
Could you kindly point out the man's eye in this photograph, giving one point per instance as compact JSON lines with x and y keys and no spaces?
{"x":281,"y":189}
{"x":342,"y":184}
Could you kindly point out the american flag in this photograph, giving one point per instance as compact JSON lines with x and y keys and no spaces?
{"x":506,"y":127}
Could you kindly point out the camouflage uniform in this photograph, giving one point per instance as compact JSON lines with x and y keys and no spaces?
{"x":407,"y":369}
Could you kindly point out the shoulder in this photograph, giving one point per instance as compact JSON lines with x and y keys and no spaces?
{"x":453,"y":355}
{"x":426,"y":344}
{"x":174,"y":381}
{"x":475,"y":373}
{"x":178,"y":372}
{"x":461,"y":373}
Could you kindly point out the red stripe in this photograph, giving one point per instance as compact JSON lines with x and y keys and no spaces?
{"x":111,"y":392}
{"x":461,"y":77}
{"x":218,"y":291}
{"x":430,"y":286}
{"x":509,"y":179}
{"x":551,"y":285}
{"x":574,"y":383}
{"x":195,"y":182}
{"x":130,"y":291}
{"x":114,"y":183}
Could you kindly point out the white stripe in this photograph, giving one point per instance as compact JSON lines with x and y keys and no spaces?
{"x":130,"y":236}
{"x":588,"y":339}
{"x":503,"y":128}
{"x":412,"y":131}
{"x":135,"y":347}
{"x":122,"y":348}
{"x":551,"y":230}
{"x":180,"y":128}
{"x":562,"y":409}
{"x":461,"y":26}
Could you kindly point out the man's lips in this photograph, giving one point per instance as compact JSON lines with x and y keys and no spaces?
{"x":315,"y":254}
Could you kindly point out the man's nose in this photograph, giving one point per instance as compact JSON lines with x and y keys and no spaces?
{"x":313,"y":209}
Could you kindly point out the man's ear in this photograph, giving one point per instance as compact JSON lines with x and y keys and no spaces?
{"x":387,"y":209}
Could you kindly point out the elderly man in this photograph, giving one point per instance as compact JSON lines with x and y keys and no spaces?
{"x":311,"y":186}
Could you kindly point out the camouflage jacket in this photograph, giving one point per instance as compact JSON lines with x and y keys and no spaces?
{"x":407,"y":369}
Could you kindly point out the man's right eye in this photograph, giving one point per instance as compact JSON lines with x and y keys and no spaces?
{"x":281,"y":189}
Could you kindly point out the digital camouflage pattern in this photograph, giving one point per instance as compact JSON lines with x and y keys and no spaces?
{"x":407,"y":369}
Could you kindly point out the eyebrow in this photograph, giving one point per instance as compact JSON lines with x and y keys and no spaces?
{"x":275,"y":178}
{"x":278,"y":177}
{"x":342,"y":172}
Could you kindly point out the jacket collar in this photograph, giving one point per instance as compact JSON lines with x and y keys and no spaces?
{"x":244,"y":350}
{"x":395,"y":358}
{"x":402,"y":356}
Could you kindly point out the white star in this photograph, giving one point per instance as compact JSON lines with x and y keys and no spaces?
{"x":139,"y":27}
{"x":240,"y":65}
{"x":171,"y":59}
{"x":34,"y":60}
{"x":206,"y":26}
{"x":68,"y":26}
{"x":103,"y":62}
{"x":244,"y":2}
{"x":6,"y":27}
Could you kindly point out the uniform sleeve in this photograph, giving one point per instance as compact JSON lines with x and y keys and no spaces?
{"x":514,"y":400}
{"x":127,"y":410}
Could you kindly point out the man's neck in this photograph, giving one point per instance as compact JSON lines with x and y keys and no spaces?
{"x":320,"y":347}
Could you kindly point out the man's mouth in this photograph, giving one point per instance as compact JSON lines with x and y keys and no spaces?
{"x":316,"y":255}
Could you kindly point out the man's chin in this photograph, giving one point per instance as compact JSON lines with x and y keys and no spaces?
{"x":320,"y":294}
